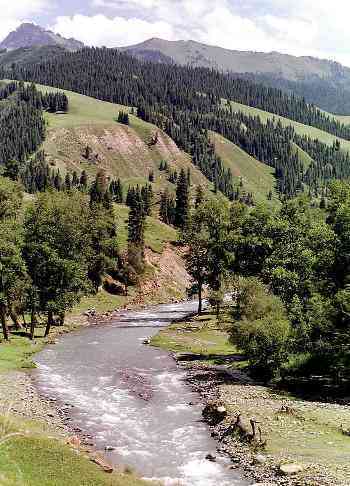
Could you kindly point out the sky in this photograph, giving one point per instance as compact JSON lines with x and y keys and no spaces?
{"x":299,"y":27}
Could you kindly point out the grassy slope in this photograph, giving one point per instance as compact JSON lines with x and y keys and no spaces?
{"x":299,"y":127}
{"x":122,"y":151}
{"x":303,"y":156}
{"x":258,"y":178}
{"x":156,"y":236}
{"x":34,"y":459}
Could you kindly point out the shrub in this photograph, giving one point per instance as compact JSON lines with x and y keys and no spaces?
{"x":263,"y":330}
{"x":253,"y":300}
{"x":265,"y":341}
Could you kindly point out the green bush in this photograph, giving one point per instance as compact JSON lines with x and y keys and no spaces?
{"x":265,"y":342}
{"x":263,"y":330}
{"x":253,"y":300}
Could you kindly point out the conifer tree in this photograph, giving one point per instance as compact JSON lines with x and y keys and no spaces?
{"x":182,"y":201}
{"x":83,"y":181}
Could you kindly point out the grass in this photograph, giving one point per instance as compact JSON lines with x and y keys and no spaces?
{"x":304,"y":157}
{"x":35,"y":458}
{"x":102,"y":302}
{"x":201,"y":335}
{"x":157,"y":234}
{"x":258,"y":178}
{"x":18,"y":352}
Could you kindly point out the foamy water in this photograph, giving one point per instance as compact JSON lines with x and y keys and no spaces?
{"x":133,"y":397}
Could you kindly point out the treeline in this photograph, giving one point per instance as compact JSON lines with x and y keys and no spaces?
{"x":6,"y":90}
{"x":22,"y":125}
{"x":288,"y":272}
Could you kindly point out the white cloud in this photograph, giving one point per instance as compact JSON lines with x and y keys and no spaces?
{"x":14,"y":12}
{"x":100,"y":30}
{"x":299,"y":27}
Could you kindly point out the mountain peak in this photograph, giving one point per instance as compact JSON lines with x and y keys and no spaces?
{"x":29,"y":34}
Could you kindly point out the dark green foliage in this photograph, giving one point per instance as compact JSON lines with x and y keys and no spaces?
{"x":83,"y":180}
{"x":22,"y":130}
{"x":199,"y":196}
{"x":182,"y":206}
{"x":99,"y":191}
{"x":116,"y":190}
{"x":167,"y":208}
{"x":137,"y":220}
{"x":134,"y":194}
{"x":123,"y":117}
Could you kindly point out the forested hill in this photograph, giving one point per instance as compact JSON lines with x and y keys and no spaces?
{"x":112,"y":76}
{"x":187,"y":102}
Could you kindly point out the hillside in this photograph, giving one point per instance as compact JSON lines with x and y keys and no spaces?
{"x":257,"y":177}
{"x":300,"y":128}
{"x":29,"y":55}
{"x":29,"y":34}
{"x":122,"y":151}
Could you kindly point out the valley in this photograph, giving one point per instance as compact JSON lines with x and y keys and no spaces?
{"x":150,"y":207}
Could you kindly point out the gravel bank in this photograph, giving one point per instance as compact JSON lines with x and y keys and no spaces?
{"x":263,"y":466}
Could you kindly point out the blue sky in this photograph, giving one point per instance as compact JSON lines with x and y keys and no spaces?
{"x":298,"y":27}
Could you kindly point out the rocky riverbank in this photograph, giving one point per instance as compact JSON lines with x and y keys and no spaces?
{"x":279,"y":462}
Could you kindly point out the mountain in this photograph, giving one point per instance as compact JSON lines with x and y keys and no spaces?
{"x":30,"y":35}
{"x":202,"y":55}
{"x":322,"y":82}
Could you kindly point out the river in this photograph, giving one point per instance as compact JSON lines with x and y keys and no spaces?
{"x":133,"y":397}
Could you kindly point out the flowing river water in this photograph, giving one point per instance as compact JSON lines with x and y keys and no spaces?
{"x":133,"y":398}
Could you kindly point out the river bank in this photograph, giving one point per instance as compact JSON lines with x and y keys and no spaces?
{"x":301,"y":433}
{"x":55,"y":415}
{"x":46,"y":445}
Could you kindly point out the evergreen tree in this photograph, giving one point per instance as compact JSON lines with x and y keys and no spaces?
{"x":182,"y":201}
{"x":83,"y":181}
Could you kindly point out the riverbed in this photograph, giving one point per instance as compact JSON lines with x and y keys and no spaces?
{"x":133,"y":400}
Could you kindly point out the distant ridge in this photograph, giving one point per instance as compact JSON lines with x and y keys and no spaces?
{"x":32,"y":35}
{"x":284,"y":65}
{"x":322,"y":82}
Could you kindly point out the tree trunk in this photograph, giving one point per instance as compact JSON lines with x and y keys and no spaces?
{"x":24,"y":321}
{"x":200,"y":299}
{"x":14,"y":317}
{"x":3,"y":322}
{"x":49,"y":323}
{"x":32,"y":325}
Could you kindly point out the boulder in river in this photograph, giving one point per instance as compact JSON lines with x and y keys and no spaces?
{"x":109,"y":448}
{"x":214,"y":413}
{"x":210,"y":457}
